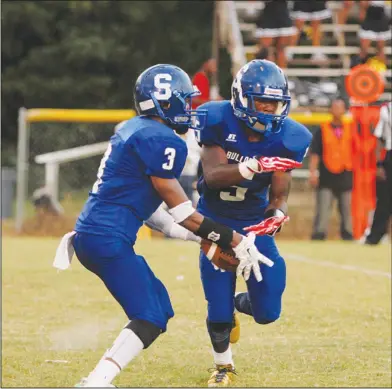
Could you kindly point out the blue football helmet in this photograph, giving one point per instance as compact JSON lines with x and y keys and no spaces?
{"x":166,"y":91}
{"x":260,"y":79}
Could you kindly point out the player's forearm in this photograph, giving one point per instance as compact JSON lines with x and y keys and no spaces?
{"x":200,"y":225}
{"x":278,"y":203}
{"x":222,"y":176}
{"x":163,"y":222}
{"x":193,"y":222}
{"x":217,"y":171}
{"x":279,"y":191}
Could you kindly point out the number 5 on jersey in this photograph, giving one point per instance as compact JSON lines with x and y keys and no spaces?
{"x":171,"y":154}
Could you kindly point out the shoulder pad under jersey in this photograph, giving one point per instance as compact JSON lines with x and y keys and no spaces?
{"x":217,"y":111}
{"x":295,"y":136}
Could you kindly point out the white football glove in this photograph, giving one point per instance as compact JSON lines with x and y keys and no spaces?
{"x":250,"y":257}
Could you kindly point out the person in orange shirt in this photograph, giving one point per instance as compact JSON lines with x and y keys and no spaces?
{"x":202,"y":79}
{"x":330,"y":169}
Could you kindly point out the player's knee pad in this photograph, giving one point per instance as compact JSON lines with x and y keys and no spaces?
{"x":267,"y":317}
{"x":220,"y":335}
{"x":146,"y":331}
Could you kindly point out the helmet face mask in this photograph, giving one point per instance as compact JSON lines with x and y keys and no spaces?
{"x":258,"y":82}
{"x":166,"y":91}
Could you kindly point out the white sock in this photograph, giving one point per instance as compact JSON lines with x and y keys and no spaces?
{"x":225,"y":358}
{"x":126,"y":347}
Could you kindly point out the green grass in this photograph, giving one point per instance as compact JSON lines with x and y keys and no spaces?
{"x":335,"y":328}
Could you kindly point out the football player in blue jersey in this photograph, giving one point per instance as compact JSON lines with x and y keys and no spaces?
{"x":248,"y":148}
{"x":138,"y":171}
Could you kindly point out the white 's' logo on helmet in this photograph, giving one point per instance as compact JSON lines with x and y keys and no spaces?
{"x":237,"y":85}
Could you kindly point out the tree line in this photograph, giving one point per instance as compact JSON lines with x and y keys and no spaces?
{"x":87,"y":54}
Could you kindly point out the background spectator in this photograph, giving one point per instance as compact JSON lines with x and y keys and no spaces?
{"x":275,"y":30}
{"x":342,"y":15}
{"x":315,"y":12}
{"x":383,"y":177}
{"x":344,"y":11}
{"x":375,"y":27}
{"x":330,"y":168}
{"x":202,"y":79}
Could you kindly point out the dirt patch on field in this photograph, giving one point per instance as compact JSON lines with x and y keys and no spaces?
{"x":42,"y":225}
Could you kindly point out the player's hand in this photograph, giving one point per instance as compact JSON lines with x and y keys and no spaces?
{"x":216,"y":267}
{"x":250,"y":257}
{"x":190,"y":236}
{"x":268,"y":226}
{"x":276,"y":164}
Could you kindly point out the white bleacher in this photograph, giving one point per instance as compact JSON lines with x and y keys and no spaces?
{"x":251,"y":27}
{"x":259,"y":5}
{"x":242,"y":26}
{"x":325,"y":49}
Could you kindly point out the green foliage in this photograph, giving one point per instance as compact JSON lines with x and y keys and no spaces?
{"x":87,"y":54}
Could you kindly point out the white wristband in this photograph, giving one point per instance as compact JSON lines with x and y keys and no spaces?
{"x":279,"y":213}
{"x":182,"y":211}
{"x":249,"y":168}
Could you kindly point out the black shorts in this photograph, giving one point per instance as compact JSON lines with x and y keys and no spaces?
{"x":275,"y":20}
{"x":310,"y":10}
{"x":376,"y":25}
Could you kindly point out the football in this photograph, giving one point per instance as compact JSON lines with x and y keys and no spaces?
{"x":224,"y":259}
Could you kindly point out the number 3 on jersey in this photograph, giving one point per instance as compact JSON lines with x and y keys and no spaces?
{"x":171,"y":154}
{"x":234,"y":193}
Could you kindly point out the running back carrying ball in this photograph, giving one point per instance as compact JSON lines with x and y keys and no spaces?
{"x":224,"y":259}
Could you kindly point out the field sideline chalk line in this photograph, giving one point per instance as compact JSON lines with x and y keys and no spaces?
{"x":300,"y":258}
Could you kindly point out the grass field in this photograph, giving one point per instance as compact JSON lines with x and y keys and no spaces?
{"x":335,"y":328}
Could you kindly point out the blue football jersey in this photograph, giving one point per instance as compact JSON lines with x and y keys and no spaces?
{"x":123,"y":196}
{"x":248,"y":200}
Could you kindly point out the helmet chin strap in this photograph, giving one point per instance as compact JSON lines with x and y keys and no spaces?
{"x":181,"y":130}
{"x":259,"y":126}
